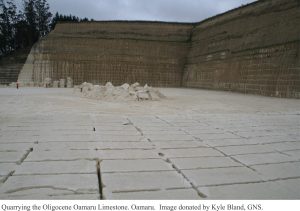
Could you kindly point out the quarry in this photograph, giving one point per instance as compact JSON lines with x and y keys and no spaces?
{"x":156,"y":110}
{"x":253,"y":49}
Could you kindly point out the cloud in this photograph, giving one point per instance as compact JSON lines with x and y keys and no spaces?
{"x":161,"y":10}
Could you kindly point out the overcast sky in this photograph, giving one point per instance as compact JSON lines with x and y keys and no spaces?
{"x":160,"y":10}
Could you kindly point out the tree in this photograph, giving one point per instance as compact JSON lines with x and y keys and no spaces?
{"x":21,"y":30}
{"x":23,"y":35}
{"x":4,"y":28}
{"x":38,"y":18}
{"x":54,"y":21}
{"x":65,"y":18}
{"x":84,"y":20}
{"x":43,"y":17}
{"x":31,"y":19}
{"x":8,"y":21}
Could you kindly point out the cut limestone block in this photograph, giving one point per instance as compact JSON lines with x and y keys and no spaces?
{"x":248,"y":149}
{"x":11,"y":157}
{"x":264,"y":158}
{"x":278,"y":171}
{"x":194,"y":152}
{"x":50,"y":184}
{"x":69,"y":82}
{"x":48,"y":193}
{"x":143,"y":181}
{"x":179,"y":194}
{"x":62,"y":83}
{"x":221,"y":176}
{"x":252,"y":191}
{"x":135,"y":165}
{"x":57,"y":167}
{"x":204,"y":162}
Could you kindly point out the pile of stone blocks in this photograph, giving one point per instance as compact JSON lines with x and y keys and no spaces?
{"x":125,"y":92}
{"x":58,"y":84}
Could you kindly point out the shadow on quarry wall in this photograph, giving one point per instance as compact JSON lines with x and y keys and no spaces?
{"x":11,"y":65}
{"x":252,"y":49}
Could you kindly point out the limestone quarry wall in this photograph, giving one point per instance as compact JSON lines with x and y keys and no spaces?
{"x":11,"y":65}
{"x":119,"y":52}
{"x":254,"y":49}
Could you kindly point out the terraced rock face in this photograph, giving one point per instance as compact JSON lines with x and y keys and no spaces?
{"x":119,"y":52}
{"x":11,"y":65}
{"x":253,"y":49}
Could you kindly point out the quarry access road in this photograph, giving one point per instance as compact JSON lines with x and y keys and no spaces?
{"x":196,"y":144}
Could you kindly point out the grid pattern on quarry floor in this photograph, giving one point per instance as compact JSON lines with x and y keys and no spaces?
{"x":55,"y":145}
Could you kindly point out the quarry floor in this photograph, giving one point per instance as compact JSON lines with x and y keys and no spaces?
{"x":196,"y":144}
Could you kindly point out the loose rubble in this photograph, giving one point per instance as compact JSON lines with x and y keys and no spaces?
{"x":125,"y":92}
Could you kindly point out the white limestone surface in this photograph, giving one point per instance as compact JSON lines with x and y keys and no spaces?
{"x":194,"y":144}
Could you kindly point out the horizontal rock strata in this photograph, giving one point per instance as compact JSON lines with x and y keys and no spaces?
{"x":253,"y":49}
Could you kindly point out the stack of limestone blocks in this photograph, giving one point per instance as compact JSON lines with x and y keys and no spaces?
{"x":58,"y":84}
